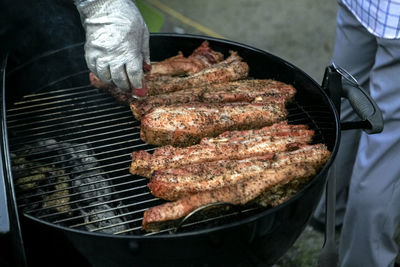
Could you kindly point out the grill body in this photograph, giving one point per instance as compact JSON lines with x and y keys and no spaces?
{"x":256,"y":237}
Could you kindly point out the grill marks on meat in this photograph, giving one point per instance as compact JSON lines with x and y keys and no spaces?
{"x":285,"y":167}
{"x":251,"y":91}
{"x":230,"y":145}
{"x":183,"y":125}
{"x":231,"y":69}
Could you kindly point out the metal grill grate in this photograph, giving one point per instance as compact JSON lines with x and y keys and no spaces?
{"x":71,"y":154}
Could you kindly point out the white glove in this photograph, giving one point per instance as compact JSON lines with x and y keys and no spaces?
{"x":117,"y":41}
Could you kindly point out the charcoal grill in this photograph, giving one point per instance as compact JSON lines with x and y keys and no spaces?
{"x":69,"y":148}
{"x":48,"y":130}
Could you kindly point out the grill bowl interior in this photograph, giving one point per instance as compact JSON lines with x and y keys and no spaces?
{"x":72,"y":131}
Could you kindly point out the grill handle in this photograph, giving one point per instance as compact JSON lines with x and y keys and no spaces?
{"x":362,"y":103}
{"x":365,"y":107}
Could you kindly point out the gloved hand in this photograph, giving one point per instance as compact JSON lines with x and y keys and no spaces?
{"x":117,"y":42}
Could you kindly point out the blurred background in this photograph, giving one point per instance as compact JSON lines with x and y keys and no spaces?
{"x":301,"y":32}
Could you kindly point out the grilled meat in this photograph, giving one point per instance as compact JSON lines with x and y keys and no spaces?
{"x":252,"y":91}
{"x":202,"y":57}
{"x":277,"y":137}
{"x":172,"y":184}
{"x":183,"y":125}
{"x":240,"y":193}
{"x":231,"y":69}
{"x":140,"y":107}
{"x":275,"y":130}
{"x":122,"y":97}
{"x":248,"y":91}
{"x":280,"y":193}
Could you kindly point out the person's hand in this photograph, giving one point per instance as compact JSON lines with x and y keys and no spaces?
{"x":117,"y":42}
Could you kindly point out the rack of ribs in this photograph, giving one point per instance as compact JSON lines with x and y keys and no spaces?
{"x":230,"y":69}
{"x":186,"y":124}
{"x":251,"y":91}
{"x":244,"y":183}
{"x":228,"y":145}
{"x":173,"y":184}
{"x":203,"y":66}
{"x":179,"y":65}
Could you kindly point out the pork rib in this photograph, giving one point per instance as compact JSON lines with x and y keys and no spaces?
{"x":267,"y":140}
{"x":277,"y":129}
{"x":202,"y":57}
{"x":172,"y":184}
{"x":183,"y":125}
{"x":239,"y":193}
{"x":252,"y":91}
{"x":231,"y":69}
{"x":140,"y":107}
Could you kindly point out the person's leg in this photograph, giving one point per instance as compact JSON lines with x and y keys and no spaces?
{"x":354,"y":51}
{"x":373,"y":205}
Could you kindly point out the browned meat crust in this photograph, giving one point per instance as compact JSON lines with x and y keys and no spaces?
{"x":248,"y":91}
{"x":202,"y":57}
{"x":183,"y":125}
{"x":172,"y":184}
{"x":240,"y":193}
{"x":228,"y":70}
{"x":231,"y":69}
{"x":238,"y":145}
{"x":252,"y":91}
{"x":123,"y":97}
{"x":275,"y":130}
{"x":140,"y":107}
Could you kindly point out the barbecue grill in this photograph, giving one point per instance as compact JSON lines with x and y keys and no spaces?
{"x":66,"y":156}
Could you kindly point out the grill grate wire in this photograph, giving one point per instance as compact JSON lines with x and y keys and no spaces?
{"x":60,"y":133}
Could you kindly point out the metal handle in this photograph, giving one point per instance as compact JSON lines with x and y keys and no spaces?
{"x":4,"y":216}
{"x":329,"y":253}
{"x":362,"y":103}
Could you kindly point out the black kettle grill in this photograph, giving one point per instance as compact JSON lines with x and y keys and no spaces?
{"x":65,"y":189}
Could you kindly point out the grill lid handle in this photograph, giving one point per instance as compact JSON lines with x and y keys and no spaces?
{"x":362,"y":103}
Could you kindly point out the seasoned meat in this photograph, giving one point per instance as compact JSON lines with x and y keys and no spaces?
{"x":280,"y":193}
{"x":140,"y":107}
{"x":231,"y":69}
{"x":202,"y":57}
{"x":248,"y":91}
{"x":276,"y":130}
{"x":252,"y":91}
{"x":240,"y":193}
{"x":266,"y":140}
{"x":172,"y":184}
{"x":183,"y":125}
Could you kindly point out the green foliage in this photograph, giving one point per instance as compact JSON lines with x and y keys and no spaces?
{"x":153,"y":18}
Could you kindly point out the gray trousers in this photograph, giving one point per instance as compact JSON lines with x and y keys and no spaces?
{"x":368,"y":166}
